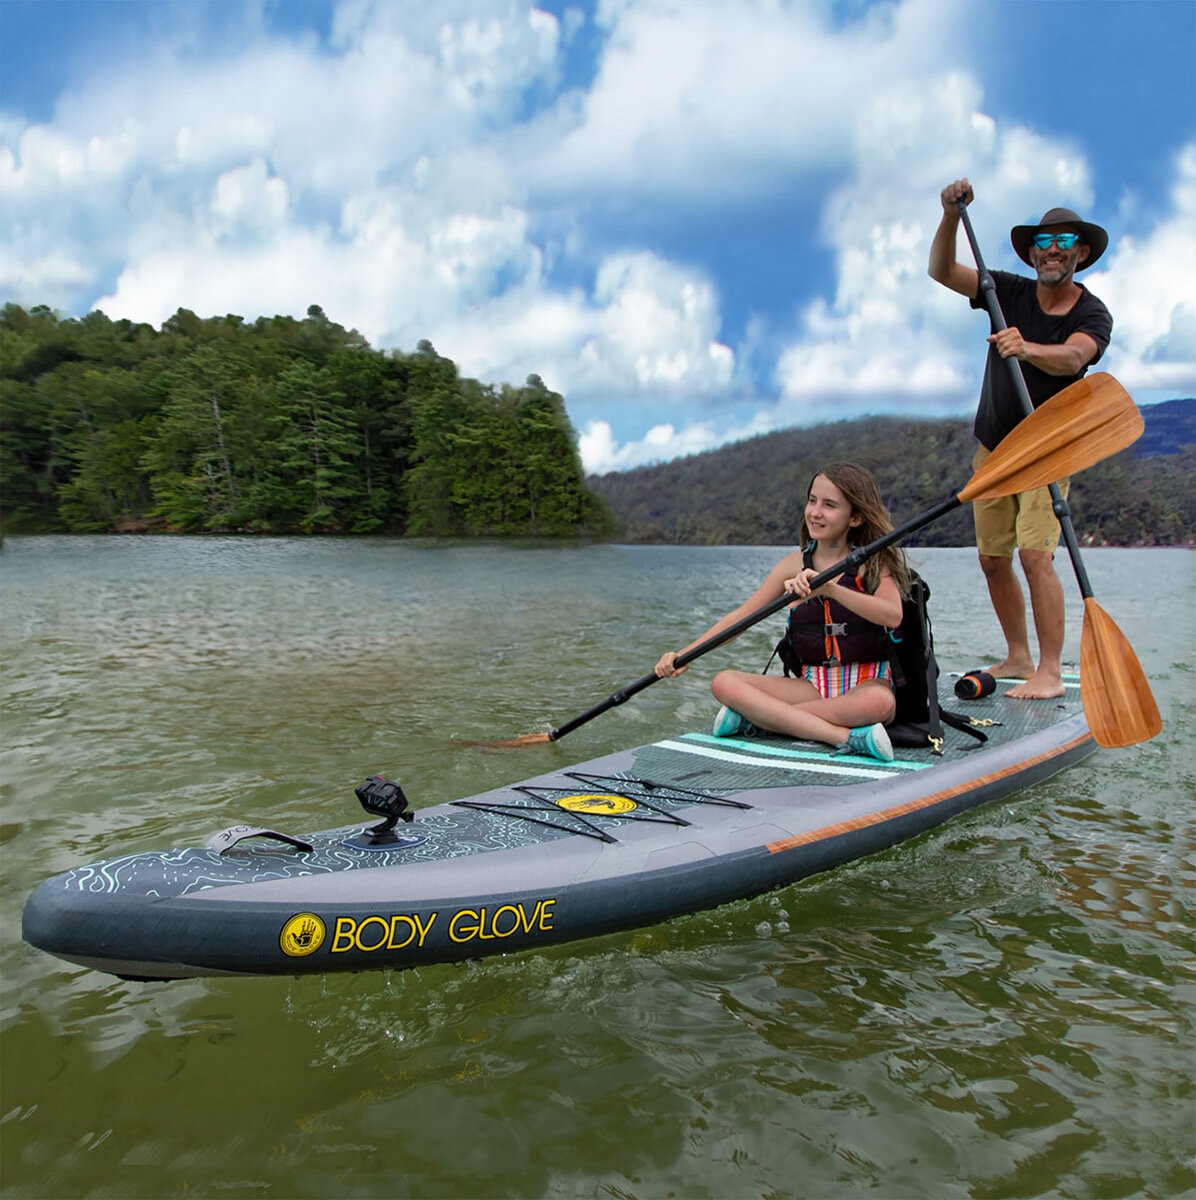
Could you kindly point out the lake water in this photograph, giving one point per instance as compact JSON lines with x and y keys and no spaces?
{"x":1003,"y":1007}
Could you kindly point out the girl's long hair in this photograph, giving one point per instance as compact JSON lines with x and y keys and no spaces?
{"x":861,"y":492}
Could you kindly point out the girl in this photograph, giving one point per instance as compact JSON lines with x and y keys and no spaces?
{"x":842,"y":694}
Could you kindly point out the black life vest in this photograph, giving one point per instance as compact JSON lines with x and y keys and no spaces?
{"x":823,"y":632}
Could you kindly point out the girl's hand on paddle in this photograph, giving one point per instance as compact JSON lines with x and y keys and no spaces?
{"x":799,"y":585}
{"x":665,"y":668}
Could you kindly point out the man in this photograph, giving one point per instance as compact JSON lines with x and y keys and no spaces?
{"x":1057,"y":330}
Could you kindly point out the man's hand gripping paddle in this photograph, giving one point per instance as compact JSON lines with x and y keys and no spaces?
{"x":1118,"y":702}
{"x":1080,"y":426}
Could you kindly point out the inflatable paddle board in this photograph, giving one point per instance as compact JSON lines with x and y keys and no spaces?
{"x":625,"y":840}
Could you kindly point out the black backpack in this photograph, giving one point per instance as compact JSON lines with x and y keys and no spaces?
{"x":919,"y":720}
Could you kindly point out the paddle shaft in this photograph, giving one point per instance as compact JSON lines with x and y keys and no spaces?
{"x":1059,"y":504}
{"x":852,"y":562}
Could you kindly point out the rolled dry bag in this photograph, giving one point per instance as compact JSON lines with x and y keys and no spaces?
{"x":975,"y":685}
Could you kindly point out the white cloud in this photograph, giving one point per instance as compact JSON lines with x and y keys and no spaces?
{"x":46,"y":161}
{"x":1147,"y":284}
{"x":706,"y":100}
{"x":656,"y":329}
{"x":47,"y":274}
{"x":250,"y":197}
{"x":601,"y":451}
{"x":648,"y":328}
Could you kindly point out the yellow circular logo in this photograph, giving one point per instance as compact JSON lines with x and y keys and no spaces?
{"x":598,"y":802}
{"x":302,"y":935}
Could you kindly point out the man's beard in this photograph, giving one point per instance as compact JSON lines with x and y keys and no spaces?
{"x":1055,"y":274}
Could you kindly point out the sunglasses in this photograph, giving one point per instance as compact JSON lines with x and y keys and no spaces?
{"x":1065,"y":241}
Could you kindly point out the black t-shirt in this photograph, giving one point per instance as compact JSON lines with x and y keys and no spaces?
{"x":1000,"y":409}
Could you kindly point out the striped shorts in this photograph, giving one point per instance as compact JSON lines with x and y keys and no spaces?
{"x":842,"y":677}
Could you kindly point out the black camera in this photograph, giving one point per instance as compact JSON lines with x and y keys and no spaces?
{"x":384,"y":798}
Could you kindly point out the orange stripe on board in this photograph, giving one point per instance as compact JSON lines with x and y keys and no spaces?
{"x":829,"y":831}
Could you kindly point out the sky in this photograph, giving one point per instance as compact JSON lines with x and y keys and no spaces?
{"x":697,"y":220}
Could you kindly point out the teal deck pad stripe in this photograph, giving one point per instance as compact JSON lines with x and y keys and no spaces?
{"x":807,"y":756}
{"x":831,"y":766}
{"x":1069,"y":682}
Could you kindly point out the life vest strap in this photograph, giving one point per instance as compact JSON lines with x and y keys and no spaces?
{"x":832,"y":628}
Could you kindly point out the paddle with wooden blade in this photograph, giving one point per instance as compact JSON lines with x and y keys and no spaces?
{"x":1080,"y":426}
{"x":1118,"y":702}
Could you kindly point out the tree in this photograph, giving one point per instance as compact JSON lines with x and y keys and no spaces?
{"x":191,"y":455}
{"x":434,"y":399}
{"x":109,"y":489}
{"x":317,"y":447}
{"x":374,"y":388}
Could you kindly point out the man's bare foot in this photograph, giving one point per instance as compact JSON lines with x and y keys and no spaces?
{"x":1012,"y":668}
{"x":1042,"y":685}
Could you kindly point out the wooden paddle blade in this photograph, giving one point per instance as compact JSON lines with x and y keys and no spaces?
{"x":514,"y":743}
{"x":1118,"y":702}
{"x":1083,"y":424}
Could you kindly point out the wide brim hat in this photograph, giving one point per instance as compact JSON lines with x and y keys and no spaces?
{"x":1022,"y":236}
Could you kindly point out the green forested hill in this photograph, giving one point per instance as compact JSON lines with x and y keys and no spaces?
{"x":286,"y":425}
{"x":752,"y":492}
{"x":277,"y":426}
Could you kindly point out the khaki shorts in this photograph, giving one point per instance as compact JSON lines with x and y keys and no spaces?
{"x":1026,"y":521}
